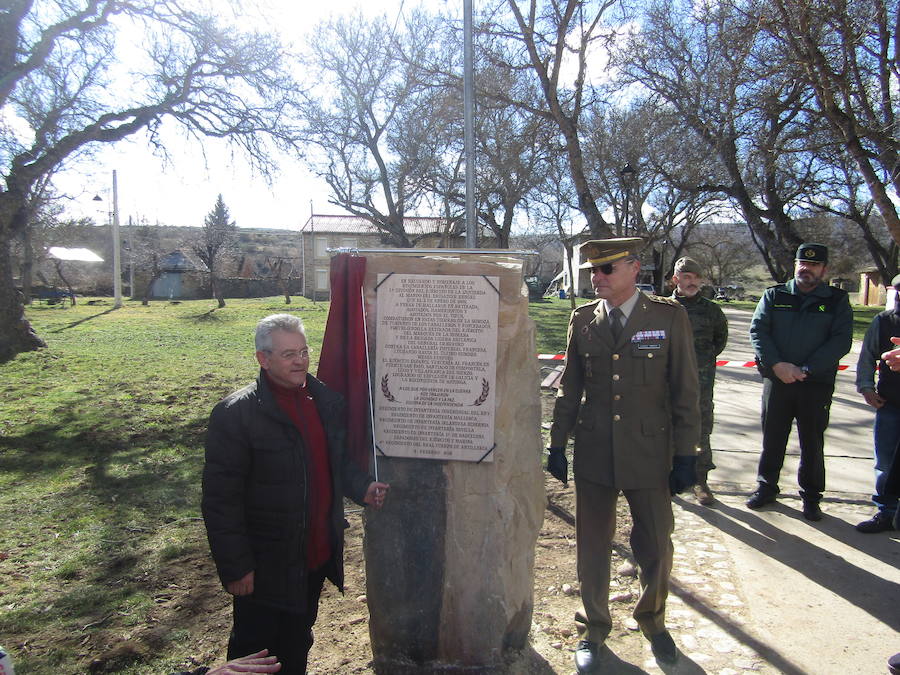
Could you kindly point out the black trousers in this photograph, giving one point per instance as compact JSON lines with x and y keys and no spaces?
{"x":287,"y":635}
{"x":809,"y":403}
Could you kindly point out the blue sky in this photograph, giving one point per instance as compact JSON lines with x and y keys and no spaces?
{"x":183,"y":190}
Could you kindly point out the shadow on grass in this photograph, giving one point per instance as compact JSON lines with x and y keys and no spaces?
{"x":209,"y":315}
{"x":81,"y":321}
{"x":129,"y":497}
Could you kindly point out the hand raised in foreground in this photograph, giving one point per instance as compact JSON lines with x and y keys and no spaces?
{"x":892,"y":358}
{"x":260,"y":662}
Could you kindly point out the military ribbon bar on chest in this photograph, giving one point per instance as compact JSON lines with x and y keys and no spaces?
{"x":648,"y":339}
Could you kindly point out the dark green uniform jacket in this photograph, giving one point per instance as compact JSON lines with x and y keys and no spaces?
{"x":710,"y":328}
{"x":812,"y":330}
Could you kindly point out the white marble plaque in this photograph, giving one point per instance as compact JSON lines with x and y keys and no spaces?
{"x":435,"y":366}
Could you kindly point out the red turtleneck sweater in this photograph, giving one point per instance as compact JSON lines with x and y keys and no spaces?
{"x":298,"y":404}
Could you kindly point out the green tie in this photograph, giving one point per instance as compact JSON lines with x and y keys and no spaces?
{"x":615,"y":322}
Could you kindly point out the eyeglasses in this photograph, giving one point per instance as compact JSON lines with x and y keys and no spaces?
{"x":291,"y":355}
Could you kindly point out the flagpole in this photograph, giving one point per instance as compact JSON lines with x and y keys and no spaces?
{"x":362,"y":302}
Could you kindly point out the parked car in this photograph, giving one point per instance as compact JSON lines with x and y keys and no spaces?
{"x":647,"y":288}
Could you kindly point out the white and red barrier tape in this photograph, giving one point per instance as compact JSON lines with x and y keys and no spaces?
{"x":720,"y":364}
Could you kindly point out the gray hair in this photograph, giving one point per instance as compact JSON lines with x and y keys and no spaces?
{"x":285,"y":322}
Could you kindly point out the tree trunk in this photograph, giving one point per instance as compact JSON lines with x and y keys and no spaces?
{"x":27,"y":266}
{"x":59,"y":273}
{"x":216,"y":291}
{"x":16,"y":334}
{"x":148,"y":289}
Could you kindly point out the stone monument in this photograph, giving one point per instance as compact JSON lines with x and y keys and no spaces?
{"x":450,"y":558}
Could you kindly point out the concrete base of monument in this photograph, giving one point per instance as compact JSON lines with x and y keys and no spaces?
{"x":449,"y":569}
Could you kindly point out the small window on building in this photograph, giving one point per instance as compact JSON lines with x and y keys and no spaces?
{"x":321,"y":247}
{"x":348,"y":242}
{"x":321,"y":280}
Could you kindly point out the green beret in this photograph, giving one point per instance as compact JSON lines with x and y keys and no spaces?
{"x":688,"y":265}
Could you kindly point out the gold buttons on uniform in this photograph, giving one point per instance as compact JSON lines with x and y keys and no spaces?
{"x":650,"y":355}
{"x":615,"y":357}
{"x":616,"y":377}
{"x":616,"y":418}
{"x":617,"y":397}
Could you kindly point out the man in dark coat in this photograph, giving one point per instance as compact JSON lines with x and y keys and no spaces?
{"x":884,"y":397}
{"x":799,"y":331}
{"x":273,"y":488}
{"x":710,"y":329}
{"x":630,"y":356}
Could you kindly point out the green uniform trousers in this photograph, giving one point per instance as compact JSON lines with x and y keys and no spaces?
{"x":651,"y":543}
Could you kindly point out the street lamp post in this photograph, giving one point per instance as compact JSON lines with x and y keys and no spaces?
{"x":117,"y":252}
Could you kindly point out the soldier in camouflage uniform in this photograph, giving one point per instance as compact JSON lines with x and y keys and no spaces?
{"x":710,"y":335}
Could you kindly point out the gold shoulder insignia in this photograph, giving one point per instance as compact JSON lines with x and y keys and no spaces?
{"x":663,"y":300}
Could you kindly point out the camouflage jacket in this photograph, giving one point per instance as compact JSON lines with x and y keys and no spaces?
{"x":710,"y":328}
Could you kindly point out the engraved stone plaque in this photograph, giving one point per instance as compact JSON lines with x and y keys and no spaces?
{"x":435,"y":366}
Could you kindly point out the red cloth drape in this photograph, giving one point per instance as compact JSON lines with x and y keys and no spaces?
{"x":342,"y":364}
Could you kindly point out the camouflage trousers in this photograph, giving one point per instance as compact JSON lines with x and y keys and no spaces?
{"x":707,"y":377}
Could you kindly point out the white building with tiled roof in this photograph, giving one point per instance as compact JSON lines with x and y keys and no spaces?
{"x":323,"y":232}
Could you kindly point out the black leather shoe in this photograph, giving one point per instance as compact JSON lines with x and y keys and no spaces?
{"x":880,"y":522}
{"x":812,"y":511}
{"x":663,"y":647}
{"x":759,"y":499}
{"x":587,"y":658}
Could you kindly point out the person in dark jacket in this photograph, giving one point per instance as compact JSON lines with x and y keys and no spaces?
{"x":799,"y":331}
{"x":273,"y":486}
{"x":884,"y":397}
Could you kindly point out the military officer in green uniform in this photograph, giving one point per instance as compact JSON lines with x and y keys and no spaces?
{"x":799,"y":331}
{"x":631,"y":357}
{"x":710,"y":328}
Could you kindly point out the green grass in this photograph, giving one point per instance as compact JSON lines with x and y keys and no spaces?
{"x":101,"y":440}
{"x":100,"y":455}
{"x":551,"y":317}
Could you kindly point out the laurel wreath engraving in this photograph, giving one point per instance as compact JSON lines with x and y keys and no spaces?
{"x":385,"y":390}
{"x":485,"y":390}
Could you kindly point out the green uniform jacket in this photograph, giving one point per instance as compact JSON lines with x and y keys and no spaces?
{"x":709,"y":325}
{"x":640,"y":394}
{"x":814,"y":329}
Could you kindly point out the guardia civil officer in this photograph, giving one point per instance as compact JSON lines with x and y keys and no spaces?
{"x":800,"y":330}
{"x":631,"y":357}
{"x":710,"y":328}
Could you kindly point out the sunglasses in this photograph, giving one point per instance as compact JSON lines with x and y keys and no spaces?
{"x":606,"y":268}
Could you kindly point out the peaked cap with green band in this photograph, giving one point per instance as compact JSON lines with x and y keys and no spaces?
{"x":812,"y":253}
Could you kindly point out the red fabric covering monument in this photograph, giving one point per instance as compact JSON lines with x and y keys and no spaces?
{"x":342,"y":364}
